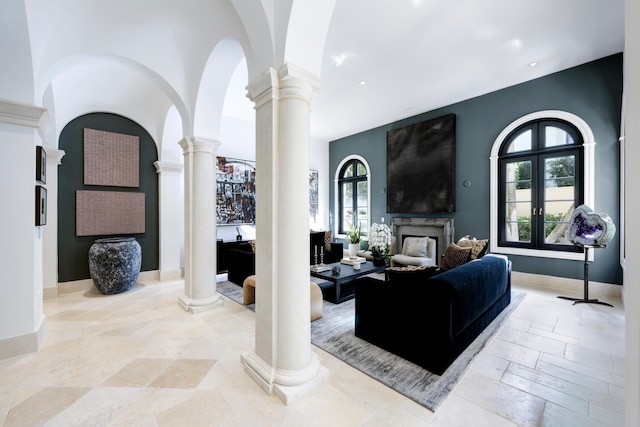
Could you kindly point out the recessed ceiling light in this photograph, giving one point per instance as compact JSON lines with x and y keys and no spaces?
{"x":363,"y":82}
{"x":533,"y":64}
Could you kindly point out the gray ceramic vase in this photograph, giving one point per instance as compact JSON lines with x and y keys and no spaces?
{"x":114,"y":264}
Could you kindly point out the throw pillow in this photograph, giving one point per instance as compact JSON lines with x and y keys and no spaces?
{"x":327,"y":240}
{"x":411,"y":272}
{"x":454,"y":256}
{"x":415,"y":246}
{"x":478,"y":247}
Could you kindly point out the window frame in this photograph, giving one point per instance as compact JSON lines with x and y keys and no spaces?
{"x":587,"y":166}
{"x":353,"y":159}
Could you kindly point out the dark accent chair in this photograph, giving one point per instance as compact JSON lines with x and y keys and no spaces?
{"x":241,"y":263}
{"x":450,"y":310}
{"x":241,"y":260}
{"x":334,"y":253}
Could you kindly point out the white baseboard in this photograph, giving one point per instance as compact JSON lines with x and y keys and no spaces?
{"x":23,"y":344}
{"x":87,"y":284}
{"x":169,"y":275}
{"x":563,"y":284}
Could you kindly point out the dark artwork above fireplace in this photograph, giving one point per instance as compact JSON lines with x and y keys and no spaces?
{"x":421,"y":167}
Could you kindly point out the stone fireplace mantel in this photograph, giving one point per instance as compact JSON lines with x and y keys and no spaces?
{"x":439,"y":228}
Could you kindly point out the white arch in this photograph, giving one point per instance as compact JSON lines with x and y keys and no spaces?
{"x":307,"y":33}
{"x":216,"y":76}
{"x":589,"y":179}
{"x":336,"y":201}
{"x":68,"y":63}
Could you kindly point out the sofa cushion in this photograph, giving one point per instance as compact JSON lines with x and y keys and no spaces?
{"x":478,"y":247}
{"x":455,"y":256}
{"x":327,"y":240}
{"x":410,"y":273}
{"x":416,"y":246}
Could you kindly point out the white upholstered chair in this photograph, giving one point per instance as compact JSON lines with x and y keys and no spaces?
{"x":416,"y":251}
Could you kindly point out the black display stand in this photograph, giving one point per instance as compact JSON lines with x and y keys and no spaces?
{"x":586,"y":299}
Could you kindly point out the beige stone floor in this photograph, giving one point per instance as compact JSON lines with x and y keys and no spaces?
{"x":137,"y":359}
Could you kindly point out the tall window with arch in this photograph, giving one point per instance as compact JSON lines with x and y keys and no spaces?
{"x":353,"y":195}
{"x":541,"y":180}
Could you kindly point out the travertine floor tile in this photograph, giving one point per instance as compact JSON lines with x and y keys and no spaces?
{"x":44,"y":406}
{"x":183,"y":373}
{"x":138,"y":359}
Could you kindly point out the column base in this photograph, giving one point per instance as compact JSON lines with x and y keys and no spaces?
{"x":200,"y":304}
{"x":286,"y":385}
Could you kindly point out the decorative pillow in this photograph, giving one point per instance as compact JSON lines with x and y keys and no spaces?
{"x":478,"y":247}
{"x":327,"y":240}
{"x":454,"y":256}
{"x":252,"y":243}
{"x":410,"y":272}
{"x":415,"y":246}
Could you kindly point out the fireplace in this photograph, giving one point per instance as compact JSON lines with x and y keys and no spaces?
{"x":440,"y":229}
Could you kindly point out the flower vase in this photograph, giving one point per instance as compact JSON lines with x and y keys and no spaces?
{"x":353,"y":249}
{"x":378,"y":262}
{"x":114,"y":264}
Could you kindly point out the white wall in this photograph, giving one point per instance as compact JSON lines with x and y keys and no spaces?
{"x":319,"y":160}
{"x":631,"y":277}
{"x":21,"y":315}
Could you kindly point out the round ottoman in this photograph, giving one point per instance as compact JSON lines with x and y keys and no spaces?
{"x":315,"y":296}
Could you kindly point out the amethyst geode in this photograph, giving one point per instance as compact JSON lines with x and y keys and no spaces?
{"x":588,"y":228}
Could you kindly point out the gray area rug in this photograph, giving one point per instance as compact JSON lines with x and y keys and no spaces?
{"x":334,"y":333}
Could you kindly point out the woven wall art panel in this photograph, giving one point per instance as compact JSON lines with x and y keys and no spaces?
{"x":100,"y":213}
{"x":111,"y":159}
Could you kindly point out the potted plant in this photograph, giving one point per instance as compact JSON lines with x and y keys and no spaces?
{"x":379,"y":242}
{"x":353,"y":235}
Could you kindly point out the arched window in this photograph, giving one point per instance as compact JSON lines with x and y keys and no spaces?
{"x":542,"y":168}
{"x":352,"y":193}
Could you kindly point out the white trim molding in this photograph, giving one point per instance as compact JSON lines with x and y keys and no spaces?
{"x":589,"y":180}
{"x":26,"y":116}
{"x":336,"y":204}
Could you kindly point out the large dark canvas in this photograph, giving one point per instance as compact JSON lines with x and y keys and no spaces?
{"x":421,"y":162}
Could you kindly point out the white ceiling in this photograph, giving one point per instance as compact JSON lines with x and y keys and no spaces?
{"x":419,"y":55}
{"x":415,"y":56}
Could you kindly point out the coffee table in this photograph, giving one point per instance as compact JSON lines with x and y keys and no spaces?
{"x":341,"y":287}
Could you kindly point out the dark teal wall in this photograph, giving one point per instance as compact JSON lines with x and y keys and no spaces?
{"x":73,"y":250}
{"x":592,"y":91}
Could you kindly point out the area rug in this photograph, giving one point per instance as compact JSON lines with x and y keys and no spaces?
{"x":334,"y":333}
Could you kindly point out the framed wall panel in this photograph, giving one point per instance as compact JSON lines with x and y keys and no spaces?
{"x":41,"y":205}
{"x":421,"y":167}
{"x":41,"y":165}
{"x":100,"y":213}
{"x":111,"y":159}
{"x":235,"y":191}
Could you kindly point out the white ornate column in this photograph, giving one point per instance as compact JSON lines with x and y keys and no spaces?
{"x":50,"y":232}
{"x":171,"y":217}
{"x":200,"y":225}
{"x":282,"y":361}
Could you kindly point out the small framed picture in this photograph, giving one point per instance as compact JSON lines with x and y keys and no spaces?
{"x":41,"y":165}
{"x":41,"y":205}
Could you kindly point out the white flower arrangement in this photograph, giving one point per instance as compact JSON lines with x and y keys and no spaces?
{"x":379,"y":240}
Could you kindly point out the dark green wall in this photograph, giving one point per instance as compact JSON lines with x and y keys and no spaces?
{"x":73,"y":250}
{"x":592,"y":91}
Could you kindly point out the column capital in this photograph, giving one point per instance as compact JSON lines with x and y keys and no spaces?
{"x":264,"y":88}
{"x":26,"y":115}
{"x":54,"y":155}
{"x":193,"y":144}
{"x":292,"y":71}
{"x":168,"y":167}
